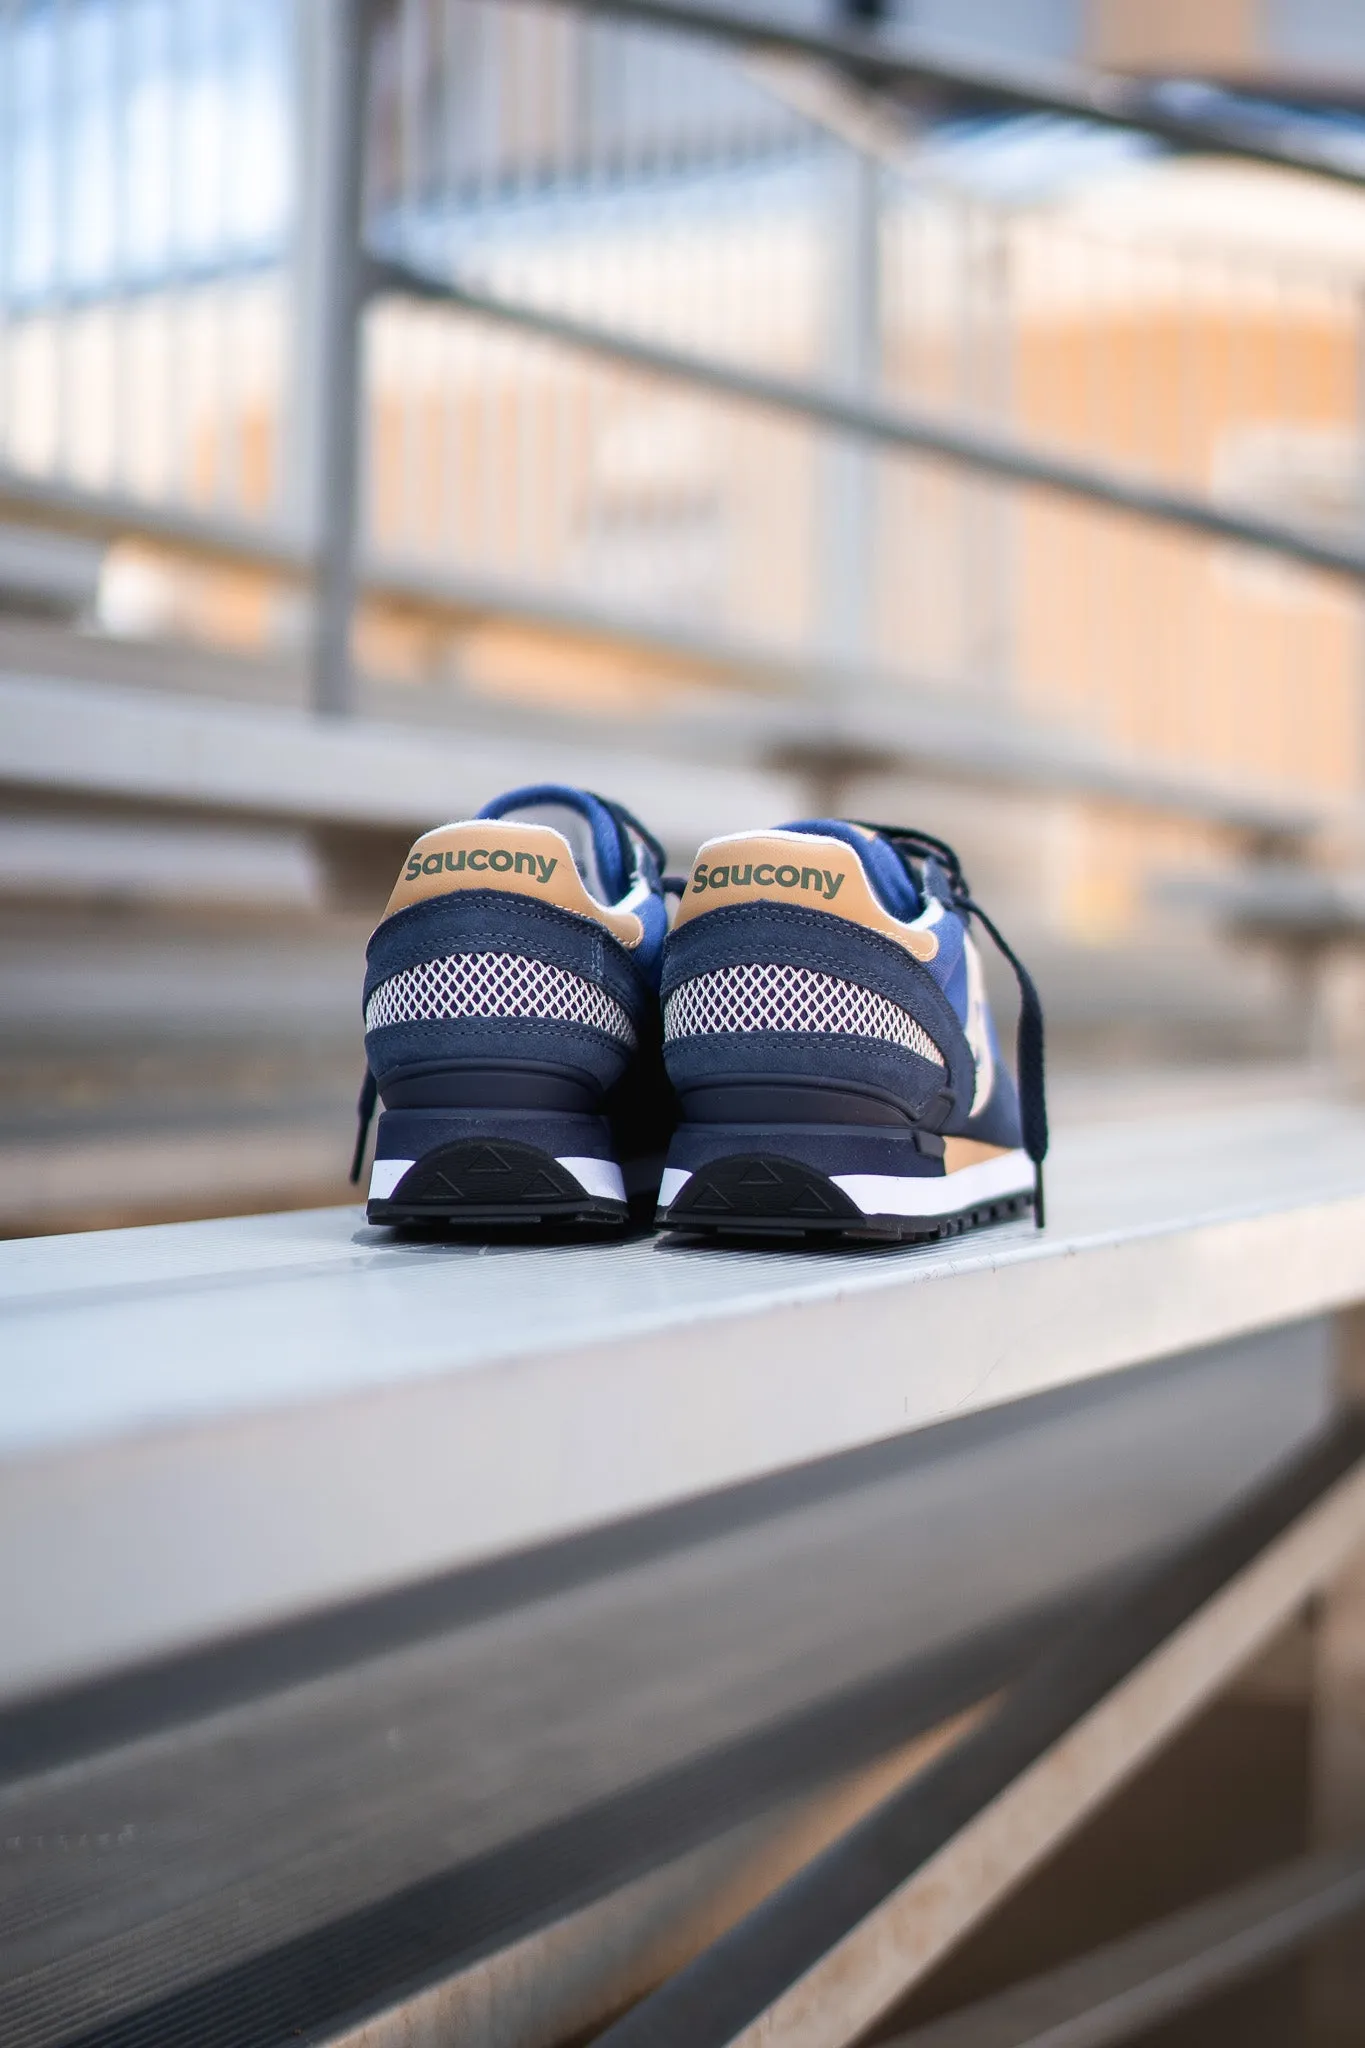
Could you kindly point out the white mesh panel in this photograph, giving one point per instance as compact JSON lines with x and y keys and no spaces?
{"x":495,"y":985}
{"x":770,"y":998}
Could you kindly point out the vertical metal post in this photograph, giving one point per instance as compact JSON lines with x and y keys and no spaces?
{"x":1335,"y":1974}
{"x":1336,"y":1971}
{"x":847,"y":531}
{"x":1359,"y":509}
{"x":9,"y":95}
{"x":990,"y":244}
{"x":325,"y":423}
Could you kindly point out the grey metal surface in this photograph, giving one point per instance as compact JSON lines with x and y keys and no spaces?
{"x":1277,"y":900}
{"x":169,"y":1858}
{"x":209,"y":1428}
{"x":317,"y":1412}
{"x":68,"y":505}
{"x":52,"y":575}
{"x":575,"y":1971}
{"x":767,"y":736}
{"x":145,"y":748}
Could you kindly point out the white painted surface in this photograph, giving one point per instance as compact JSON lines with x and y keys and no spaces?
{"x":207,"y":1425}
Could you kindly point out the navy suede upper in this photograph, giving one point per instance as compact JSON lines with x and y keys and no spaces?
{"x":550,"y":1042}
{"x":499,"y":921}
{"x":746,"y":933}
{"x":906,"y":1079}
{"x":518,"y":1018}
{"x":802,"y":1045}
{"x":998,"y":1122}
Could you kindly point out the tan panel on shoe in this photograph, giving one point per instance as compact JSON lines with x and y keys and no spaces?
{"x":960,"y":1152}
{"x":794,"y":867}
{"x":499,"y":853}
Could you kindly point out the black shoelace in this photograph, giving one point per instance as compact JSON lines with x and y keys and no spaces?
{"x":912,"y":845}
{"x":364,"y":1112}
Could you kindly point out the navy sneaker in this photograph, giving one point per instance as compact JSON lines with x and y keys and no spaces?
{"x":512,"y":1020}
{"x":827,"y":1031}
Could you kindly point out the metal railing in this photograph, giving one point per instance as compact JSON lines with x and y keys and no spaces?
{"x":677,"y":315}
{"x":146,"y":190}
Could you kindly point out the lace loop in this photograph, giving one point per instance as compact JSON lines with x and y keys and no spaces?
{"x":911,"y":844}
{"x":626,"y":823}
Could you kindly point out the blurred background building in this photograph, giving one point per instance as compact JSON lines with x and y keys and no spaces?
{"x":1145,"y":739}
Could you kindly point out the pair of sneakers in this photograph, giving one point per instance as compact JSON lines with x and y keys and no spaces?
{"x":804,"y":1050}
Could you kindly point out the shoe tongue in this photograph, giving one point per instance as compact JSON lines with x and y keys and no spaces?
{"x":881,"y":863}
{"x":599,"y":845}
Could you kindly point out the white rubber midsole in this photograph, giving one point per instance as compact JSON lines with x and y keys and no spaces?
{"x":891,"y":1194}
{"x":886,"y":1194}
{"x":674,"y":1180}
{"x":595,"y":1176}
{"x":385,"y":1175}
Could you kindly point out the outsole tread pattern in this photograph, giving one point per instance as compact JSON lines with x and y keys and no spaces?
{"x":482,"y":1184}
{"x":767,"y":1196}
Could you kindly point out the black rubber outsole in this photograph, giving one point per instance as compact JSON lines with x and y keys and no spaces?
{"x":486,"y":1185}
{"x":762,"y":1195}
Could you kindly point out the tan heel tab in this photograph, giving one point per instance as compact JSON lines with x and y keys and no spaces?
{"x":802,"y":868}
{"x":500,"y":853}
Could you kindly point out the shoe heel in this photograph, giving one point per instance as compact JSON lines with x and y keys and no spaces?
{"x":494,"y":1168}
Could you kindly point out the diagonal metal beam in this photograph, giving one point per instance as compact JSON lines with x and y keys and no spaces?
{"x":840,"y":1944}
{"x":112,"y":514}
{"x":1135,"y":1983}
{"x":894,"y":427}
{"x":911,"y":65}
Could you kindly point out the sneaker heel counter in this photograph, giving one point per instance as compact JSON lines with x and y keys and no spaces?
{"x":795,"y":870}
{"x":506,"y":857}
{"x":465,"y":986}
{"x":773,"y":993}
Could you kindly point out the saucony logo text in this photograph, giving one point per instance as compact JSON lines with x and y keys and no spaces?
{"x":500,"y":861}
{"x":765,"y":876}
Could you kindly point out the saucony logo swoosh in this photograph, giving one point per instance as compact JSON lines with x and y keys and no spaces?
{"x":767,"y":875}
{"x":480,"y":860}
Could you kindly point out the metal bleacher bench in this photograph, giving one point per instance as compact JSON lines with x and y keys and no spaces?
{"x":424,"y":1642}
